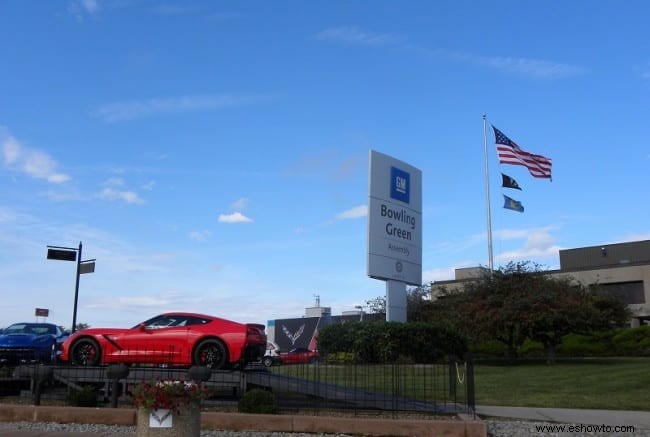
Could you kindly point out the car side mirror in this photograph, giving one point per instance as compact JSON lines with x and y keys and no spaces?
{"x":142,"y":327}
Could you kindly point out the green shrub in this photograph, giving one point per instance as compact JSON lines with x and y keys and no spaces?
{"x":379,"y":342}
{"x":489,"y":349}
{"x":595,"y":345}
{"x":633,"y":341}
{"x":531,"y":349}
{"x":258,"y":401}
{"x":86,"y":397}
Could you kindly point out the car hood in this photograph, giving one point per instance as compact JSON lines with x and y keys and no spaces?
{"x":21,"y":340}
{"x":96,"y":332}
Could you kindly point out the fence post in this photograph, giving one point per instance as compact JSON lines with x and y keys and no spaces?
{"x":453,"y":360}
{"x":469,"y":377}
{"x":116,"y":372}
{"x":39,"y":375}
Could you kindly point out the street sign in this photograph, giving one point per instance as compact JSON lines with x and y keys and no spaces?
{"x":61,"y":254}
{"x":86,"y":267}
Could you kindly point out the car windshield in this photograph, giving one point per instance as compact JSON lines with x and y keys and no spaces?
{"x":31,"y":328}
{"x":170,"y":320}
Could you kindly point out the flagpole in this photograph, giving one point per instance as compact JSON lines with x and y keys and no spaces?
{"x":487,"y":197}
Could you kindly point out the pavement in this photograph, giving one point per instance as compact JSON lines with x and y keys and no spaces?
{"x":639,"y":419}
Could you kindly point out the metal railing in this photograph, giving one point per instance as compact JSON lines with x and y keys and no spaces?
{"x":317,"y":388}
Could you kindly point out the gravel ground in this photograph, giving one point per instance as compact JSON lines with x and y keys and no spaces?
{"x":496,"y":428}
{"x":130,"y":430}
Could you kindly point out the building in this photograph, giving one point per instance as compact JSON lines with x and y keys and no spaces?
{"x":622,"y":269}
{"x":302,"y":332}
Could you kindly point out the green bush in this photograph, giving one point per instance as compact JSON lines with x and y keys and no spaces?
{"x":596,"y":345}
{"x":86,"y":397}
{"x":489,"y":349}
{"x":258,"y":401}
{"x":379,"y":342}
{"x":531,"y":349}
{"x":633,"y":341}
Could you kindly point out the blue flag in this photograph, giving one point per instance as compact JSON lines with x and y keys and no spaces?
{"x":512,"y":204}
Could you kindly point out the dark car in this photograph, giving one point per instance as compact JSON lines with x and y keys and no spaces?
{"x":171,"y":339}
{"x":299,"y":355}
{"x":22,"y":343}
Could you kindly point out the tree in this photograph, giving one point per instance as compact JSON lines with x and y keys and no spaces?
{"x":520,"y":302}
{"x":377,"y":305}
{"x":418,"y":305}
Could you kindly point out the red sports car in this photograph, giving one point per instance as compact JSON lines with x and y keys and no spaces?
{"x":299,"y":355}
{"x":172,"y":339}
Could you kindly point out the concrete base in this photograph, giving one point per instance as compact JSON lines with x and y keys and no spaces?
{"x":185,"y":423}
{"x":460,"y":427}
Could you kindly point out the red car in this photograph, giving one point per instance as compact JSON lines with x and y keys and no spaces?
{"x":299,"y":355}
{"x":172,"y":339}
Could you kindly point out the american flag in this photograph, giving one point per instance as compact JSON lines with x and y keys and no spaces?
{"x":510,"y":153}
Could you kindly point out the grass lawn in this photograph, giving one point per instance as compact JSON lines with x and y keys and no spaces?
{"x":596,"y":383}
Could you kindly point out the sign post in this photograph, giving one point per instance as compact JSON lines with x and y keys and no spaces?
{"x":87,"y":266}
{"x":394,"y":229}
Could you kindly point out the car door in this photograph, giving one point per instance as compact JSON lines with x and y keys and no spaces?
{"x":161,"y":340}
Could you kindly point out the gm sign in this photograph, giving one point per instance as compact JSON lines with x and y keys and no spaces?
{"x":400,"y":182}
{"x":394,"y":220}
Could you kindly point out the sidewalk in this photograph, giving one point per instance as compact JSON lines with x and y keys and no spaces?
{"x":638,"y":419}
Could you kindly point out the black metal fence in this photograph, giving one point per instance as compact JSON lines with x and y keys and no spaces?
{"x":391,"y":389}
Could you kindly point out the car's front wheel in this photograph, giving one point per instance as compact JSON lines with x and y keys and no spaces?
{"x":85,"y":352}
{"x":267,"y":361}
{"x":51,"y":358}
{"x":212,"y":354}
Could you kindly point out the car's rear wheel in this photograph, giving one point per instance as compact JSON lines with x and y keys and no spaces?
{"x":85,"y":352}
{"x":212,"y":354}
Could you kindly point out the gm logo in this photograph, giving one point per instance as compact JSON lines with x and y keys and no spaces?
{"x":400,"y":185}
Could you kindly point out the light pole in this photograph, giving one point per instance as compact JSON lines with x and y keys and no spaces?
{"x":360,"y":308}
{"x":86,"y":266}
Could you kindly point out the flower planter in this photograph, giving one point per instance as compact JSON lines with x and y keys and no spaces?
{"x":186,"y":422}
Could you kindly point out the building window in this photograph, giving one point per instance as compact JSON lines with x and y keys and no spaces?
{"x":629,"y":292}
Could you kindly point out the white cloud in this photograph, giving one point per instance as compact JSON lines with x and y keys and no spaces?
{"x":82,"y":8}
{"x":148,"y":186}
{"x":200,"y":235}
{"x":34,"y":163}
{"x":235,"y":217}
{"x":239,"y":204}
{"x":531,"y":67}
{"x":134,"y":109}
{"x":355,"y":35}
{"x":118,"y":182}
{"x":90,"y":6}
{"x":539,"y":244}
{"x":11,"y":150}
{"x":441,"y":274}
{"x":129,"y":197}
{"x":353,"y":213}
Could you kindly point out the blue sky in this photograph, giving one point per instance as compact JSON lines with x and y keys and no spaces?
{"x":213,"y":156}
